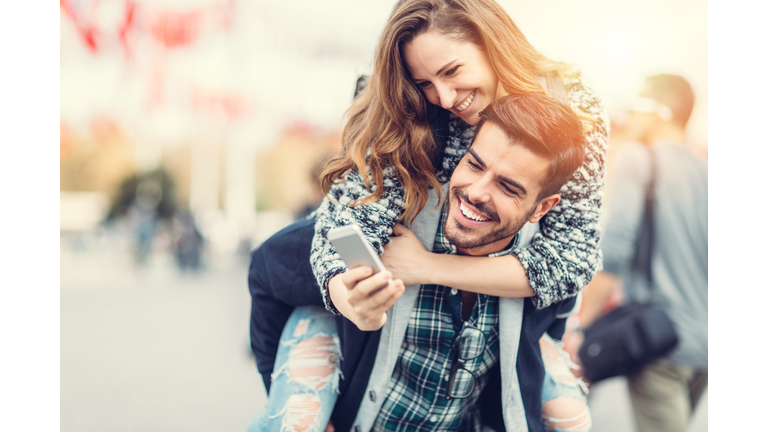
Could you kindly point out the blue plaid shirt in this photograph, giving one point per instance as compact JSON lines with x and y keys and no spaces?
{"x":416,"y":395}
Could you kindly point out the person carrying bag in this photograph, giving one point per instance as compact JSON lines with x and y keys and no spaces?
{"x":635,"y":334}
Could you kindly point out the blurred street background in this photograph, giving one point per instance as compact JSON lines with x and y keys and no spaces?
{"x":191,"y":131}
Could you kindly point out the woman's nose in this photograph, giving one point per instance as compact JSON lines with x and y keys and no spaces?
{"x":446,"y":95}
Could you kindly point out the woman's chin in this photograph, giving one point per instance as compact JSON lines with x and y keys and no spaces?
{"x":472,"y":119}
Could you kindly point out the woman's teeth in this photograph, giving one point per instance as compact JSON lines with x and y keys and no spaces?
{"x":469,"y":214}
{"x":464,"y":105}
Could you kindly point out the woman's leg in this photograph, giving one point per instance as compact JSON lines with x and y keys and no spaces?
{"x":564,"y":402}
{"x":306,"y":376}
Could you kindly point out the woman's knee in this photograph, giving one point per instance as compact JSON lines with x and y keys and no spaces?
{"x":567,"y":414}
{"x":314,"y":361}
{"x":301,"y":412}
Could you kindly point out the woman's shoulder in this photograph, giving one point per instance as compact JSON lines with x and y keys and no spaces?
{"x":580,"y":92}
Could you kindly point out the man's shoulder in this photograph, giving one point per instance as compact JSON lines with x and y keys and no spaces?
{"x":525,"y":235}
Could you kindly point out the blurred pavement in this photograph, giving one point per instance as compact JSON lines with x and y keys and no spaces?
{"x":155,"y":350}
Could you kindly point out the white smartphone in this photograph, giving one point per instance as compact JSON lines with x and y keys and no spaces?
{"x":354,"y":249}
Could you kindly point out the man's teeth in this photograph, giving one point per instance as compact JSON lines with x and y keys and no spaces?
{"x":469,"y":214}
{"x":466,"y":102}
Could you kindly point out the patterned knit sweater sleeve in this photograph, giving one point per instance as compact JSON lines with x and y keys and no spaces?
{"x":564,"y":255}
{"x":376,"y":221}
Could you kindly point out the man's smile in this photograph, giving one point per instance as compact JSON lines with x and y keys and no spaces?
{"x":469,"y":215}
{"x":467,"y":212}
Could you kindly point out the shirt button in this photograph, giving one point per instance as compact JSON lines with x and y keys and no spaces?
{"x":372,"y":396}
{"x":433,"y":419}
{"x":454,"y":291}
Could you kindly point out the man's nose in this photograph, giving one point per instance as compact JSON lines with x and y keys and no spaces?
{"x":446,"y":95}
{"x":479,"y":191}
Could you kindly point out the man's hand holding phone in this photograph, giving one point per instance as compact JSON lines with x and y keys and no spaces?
{"x":365,"y":292}
{"x":363,"y":297}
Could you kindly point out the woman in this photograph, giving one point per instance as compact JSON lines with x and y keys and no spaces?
{"x":412,"y":124}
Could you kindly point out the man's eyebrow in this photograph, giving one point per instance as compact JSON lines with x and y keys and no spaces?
{"x":514,"y":183}
{"x":441,"y":70}
{"x":505,"y":179}
{"x":477,"y":157}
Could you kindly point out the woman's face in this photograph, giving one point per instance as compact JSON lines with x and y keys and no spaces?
{"x":454,"y":75}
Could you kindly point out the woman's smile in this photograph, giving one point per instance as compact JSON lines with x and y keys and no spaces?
{"x":466,"y":102}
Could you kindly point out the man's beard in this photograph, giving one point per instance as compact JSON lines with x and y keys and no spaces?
{"x":463,"y":238}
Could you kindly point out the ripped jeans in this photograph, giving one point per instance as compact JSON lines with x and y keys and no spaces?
{"x":306,"y":377}
{"x":563,"y":395}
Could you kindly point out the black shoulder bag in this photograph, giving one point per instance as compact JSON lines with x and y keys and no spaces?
{"x":635,"y":334}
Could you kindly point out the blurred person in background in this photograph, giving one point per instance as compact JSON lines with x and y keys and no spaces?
{"x":665,"y":393}
{"x":144,"y":200}
{"x":188,"y":242}
{"x":438,"y":64}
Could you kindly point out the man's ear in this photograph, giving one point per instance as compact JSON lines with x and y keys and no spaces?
{"x":543,"y":207}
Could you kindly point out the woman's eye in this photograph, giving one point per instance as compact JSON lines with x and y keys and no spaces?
{"x":451,"y":71}
{"x":425,"y":84}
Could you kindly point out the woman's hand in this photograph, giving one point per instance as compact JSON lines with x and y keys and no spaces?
{"x":407,"y":258}
{"x":365,"y":299}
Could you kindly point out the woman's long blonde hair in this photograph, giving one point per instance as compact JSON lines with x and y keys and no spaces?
{"x":389,"y":118}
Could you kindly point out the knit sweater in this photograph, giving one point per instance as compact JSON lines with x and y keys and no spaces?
{"x":560,"y":260}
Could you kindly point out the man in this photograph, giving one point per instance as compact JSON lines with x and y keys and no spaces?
{"x":665,"y":393}
{"x":423,"y":376}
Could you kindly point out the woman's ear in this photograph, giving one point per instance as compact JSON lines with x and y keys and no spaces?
{"x":543,"y":207}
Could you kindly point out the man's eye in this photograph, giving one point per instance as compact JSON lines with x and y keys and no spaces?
{"x":508,"y":191}
{"x":473,"y":165}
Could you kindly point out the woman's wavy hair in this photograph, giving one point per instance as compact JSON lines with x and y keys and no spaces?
{"x":388,"y":123}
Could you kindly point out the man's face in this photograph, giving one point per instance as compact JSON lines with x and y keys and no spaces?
{"x":493,"y":192}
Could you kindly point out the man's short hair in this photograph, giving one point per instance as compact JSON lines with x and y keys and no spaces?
{"x":673,"y":91}
{"x":545,"y":126}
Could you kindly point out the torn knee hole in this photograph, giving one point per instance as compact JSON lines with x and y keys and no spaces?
{"x":568,"y":414}
{"x":313,"y":361}
{"x":301,"y":412}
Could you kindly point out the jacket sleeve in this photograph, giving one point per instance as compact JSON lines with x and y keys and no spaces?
{"x":279,"y":279}
{"x":376,"y":221}
{"x":565,"y":256}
